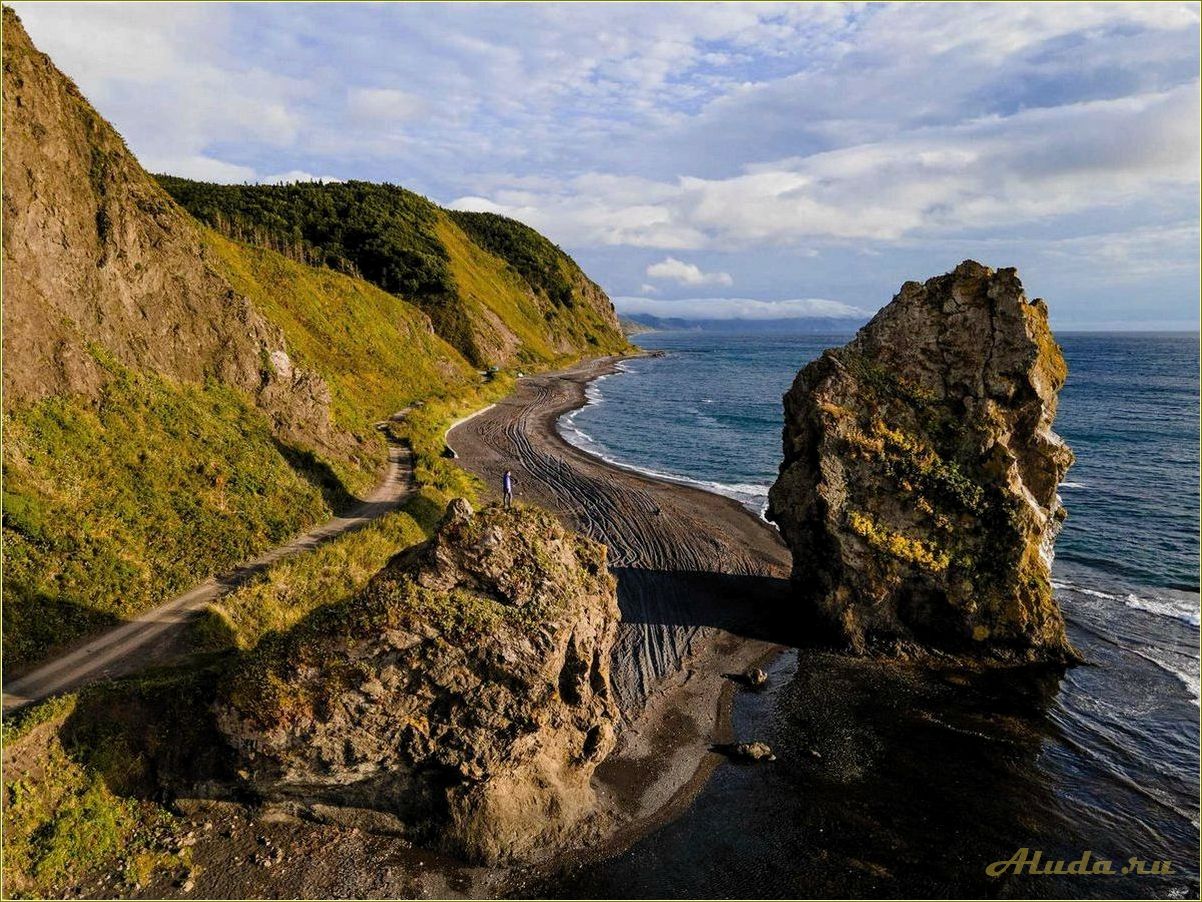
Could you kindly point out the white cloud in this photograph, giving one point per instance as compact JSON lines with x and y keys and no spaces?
{"x":206,"y":169}
{"x":740,"y":308}
{"x":382,"y":107}
{"x":1030,"y":167}
{"x":648,"y":288}
{"x":686,"y":273}
{"x":476,"y":205}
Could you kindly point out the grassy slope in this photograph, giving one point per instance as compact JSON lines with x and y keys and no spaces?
{"x":495,"y":289}
{"x":488,"y":289}
{"x":572,"y":311}
{"x":115,"y":506}
{"x":112,"y":507}
{"x":79,"y":812}
{"x":376,"y":353}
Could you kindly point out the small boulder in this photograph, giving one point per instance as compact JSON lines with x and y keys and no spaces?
{"x":752,"y":751}
{"x":755,"y":678}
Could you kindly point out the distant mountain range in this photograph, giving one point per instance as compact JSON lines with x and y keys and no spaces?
{"x":634,"y":323}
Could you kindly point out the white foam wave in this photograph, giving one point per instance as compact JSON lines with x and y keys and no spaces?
{"x":1184,"y":668}
{"x":753,"y":496}
{"x":1072,"y":485}
{"x":1184,"y":608}
{"x":1164,"y":607}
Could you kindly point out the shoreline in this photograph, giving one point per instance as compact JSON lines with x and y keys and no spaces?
{"x":712,"y":487}
{"x":700,"y":580}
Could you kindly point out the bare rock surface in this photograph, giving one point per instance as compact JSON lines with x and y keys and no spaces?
{"x":461,"y":700}
{"x":751,"y":752}
{"x":918,"y":491}
{"x":101,"y":264}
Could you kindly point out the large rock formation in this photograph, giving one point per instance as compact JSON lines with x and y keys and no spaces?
{"x":918,"y":488}
{"x":98,"y":256}
{"x":462,"y":699}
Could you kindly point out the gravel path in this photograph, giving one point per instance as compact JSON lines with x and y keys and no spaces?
{"x":138,"y":642}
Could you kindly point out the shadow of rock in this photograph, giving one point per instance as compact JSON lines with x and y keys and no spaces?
{"x":154,"y":737}
{"x":37,"y":624}
{"x":315,"y":471}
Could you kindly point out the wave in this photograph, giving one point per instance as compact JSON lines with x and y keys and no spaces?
{"x":1072,"y":485}
{"x":1185,"y":669}
{"x":753,"y":496}
{"x":1185,"y":609}
{"x":1163,"y":608}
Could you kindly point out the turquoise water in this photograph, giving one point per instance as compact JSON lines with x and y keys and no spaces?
{"x":933,"y":781}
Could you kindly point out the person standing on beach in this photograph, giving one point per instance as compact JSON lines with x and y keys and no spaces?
{"x":507,"y":488}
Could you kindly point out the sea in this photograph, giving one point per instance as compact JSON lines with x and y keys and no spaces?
{"x":892,"y":782}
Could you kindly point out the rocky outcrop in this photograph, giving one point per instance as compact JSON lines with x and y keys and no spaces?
{"x":918,"y":491}
{"x":462,"y":699}
{"x":100,"y":263}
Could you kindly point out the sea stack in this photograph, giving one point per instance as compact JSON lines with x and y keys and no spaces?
{"x":461,"y":700}
{"x":918,"y":491}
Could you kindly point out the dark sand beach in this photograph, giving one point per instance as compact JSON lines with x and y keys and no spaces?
{"x":701,"y":585}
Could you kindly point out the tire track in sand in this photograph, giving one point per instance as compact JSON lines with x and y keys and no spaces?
{"x":691,"y":566}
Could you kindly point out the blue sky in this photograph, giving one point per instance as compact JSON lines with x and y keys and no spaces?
{"x":698,"y":159}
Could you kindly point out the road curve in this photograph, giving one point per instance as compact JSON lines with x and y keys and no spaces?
{"x":128,"y":647}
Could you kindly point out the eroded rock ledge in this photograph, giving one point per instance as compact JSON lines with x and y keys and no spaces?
{"x":462,"y":699}
{"x":918,"y":491}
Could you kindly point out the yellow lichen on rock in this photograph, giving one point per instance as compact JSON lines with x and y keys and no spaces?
{"x":918,"y":490}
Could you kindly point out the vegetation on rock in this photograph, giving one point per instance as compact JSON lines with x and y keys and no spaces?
{"x":461,"y":698}
{"x":919,"y":487}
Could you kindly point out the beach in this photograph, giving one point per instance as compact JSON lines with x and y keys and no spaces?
{"x":702,"y":587}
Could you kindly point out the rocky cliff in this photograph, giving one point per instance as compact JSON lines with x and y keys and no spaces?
{"x":462,"y":699}
{"x":918,"y":491}
{"x":97,"y":255}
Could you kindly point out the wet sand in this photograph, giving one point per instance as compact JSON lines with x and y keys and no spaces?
{"x":702,"y":586}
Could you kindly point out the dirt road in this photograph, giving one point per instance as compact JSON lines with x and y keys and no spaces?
{"x":133,"y":645}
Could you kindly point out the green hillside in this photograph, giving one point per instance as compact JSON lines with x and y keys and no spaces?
{"x":495,"y":289}
{"x":178,"y":398}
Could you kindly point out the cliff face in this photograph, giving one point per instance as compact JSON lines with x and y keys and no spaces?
{"x":918,"y":490}
{"x":176,"y":402}
{"x":96,"y":253}
{"x":462,"y":699}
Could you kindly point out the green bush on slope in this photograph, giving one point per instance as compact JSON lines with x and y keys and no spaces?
{"x":110,"y":508}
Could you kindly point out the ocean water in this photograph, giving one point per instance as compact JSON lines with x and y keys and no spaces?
{"x":928,"y":780}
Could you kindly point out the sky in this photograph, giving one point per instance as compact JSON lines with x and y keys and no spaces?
{"x":718,"y":160}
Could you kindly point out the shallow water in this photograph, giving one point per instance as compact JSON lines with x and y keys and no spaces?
{"x":892,"y":782}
